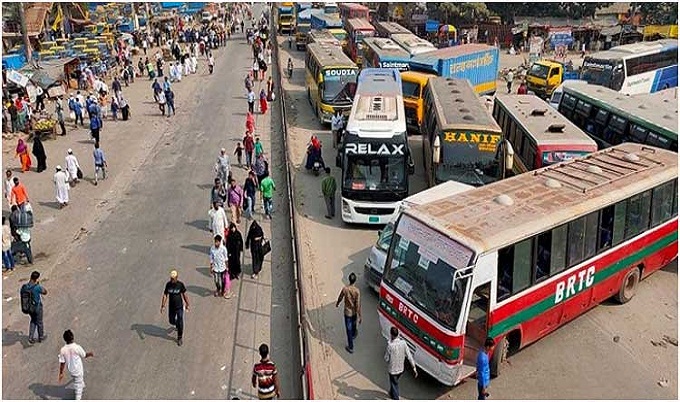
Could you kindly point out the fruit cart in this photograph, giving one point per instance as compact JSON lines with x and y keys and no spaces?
{"x":44,"y":127}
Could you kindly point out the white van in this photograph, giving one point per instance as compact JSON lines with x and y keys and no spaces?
{"x":375,"y":264}
{"x":556,"y":96}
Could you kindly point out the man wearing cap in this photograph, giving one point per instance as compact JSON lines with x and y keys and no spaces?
{"x":222,"y":165}
{"x":176,"y":292}
{"x":61,"y":187}
{"x":72,"y":167}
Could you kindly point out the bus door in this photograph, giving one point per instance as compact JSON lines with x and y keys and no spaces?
{"x":477,"y":323}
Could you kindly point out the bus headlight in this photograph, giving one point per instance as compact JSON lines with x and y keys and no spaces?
{"x":345,"y":207}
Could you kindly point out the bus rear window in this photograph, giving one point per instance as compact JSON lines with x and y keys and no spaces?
{"x":410,"y":89}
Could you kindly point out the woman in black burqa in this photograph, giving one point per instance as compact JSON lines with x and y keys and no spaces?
{"x":234,"y":249}
{"x":39,"y":152}
{"x":254,"y":242}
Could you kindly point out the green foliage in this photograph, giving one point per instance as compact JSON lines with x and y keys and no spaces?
{"x":574,"y":10}
{"x":659,"y":13}
{"x":457,"y":13}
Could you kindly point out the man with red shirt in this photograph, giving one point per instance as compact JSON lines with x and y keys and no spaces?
{"x":249,"y":145}
{"x":265,"y":376}
{"x":19,"y":194}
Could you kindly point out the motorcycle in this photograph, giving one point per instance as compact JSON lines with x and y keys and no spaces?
{"x":314,"y":160}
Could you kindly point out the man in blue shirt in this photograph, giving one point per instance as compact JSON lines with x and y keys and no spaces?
{"x":99,"y":162}
{"x":37,"y":290}
{"x":483,"y":370}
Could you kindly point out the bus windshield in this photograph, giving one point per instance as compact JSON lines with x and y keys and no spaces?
{"x":538,"y":71}
{"x":385,"y":237}
{"x":373,"y":172}
{"x":410,"y":89}
{"x":606,"y":73}
{"x":464,"y":163}
{"x":421,"y":276}
{"x":339,"y":88}
{"x":552,"y":157}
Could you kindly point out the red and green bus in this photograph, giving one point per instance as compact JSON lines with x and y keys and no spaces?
{"x":357,"y":29}
{"x":518,"y":258}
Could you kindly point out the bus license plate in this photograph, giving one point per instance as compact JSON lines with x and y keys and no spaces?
{"x":373,"y":219}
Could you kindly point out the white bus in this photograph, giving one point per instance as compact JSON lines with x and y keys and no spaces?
{"x":637,"y":68}
{"x":413,"y":44}
{"x":374,"y":155}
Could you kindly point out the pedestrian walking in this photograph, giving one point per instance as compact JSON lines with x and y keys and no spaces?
{"x":211,"y":63}
{"x":222,"y":165}
{"x":39,"y":153}
{"x":483,"y":369}
{"x":235,"y":200}
{"x":352,"y":311}
{"x":124,"y":108}
{"x":337,"y":124}
{"x":263,"y":101}
{"x":328,"y":189}
{"x":265,"y":376}
{"x":7,"y":256}
{"x":170,"y":101}
{"x":508,"y":78}
{"x":397,"y":351}
{"x":31,"y":303}
{"x":218,"y":220}
{"x":71,"y":357}
{"x":7,"y":188}
{"x":267,"y":189}
{"x":256,"y":70}
{"x":176,"y":293}
{"x":234,"y":250}
{"x":250,"y":187}
{"x":290,"y":68}
{"x":254,"y":240}
{"x":22,"y":154}
{"x":259,"y":148}
{"x":61,"y":187}
{"x":250,"y":123}
{"x":19,"y":195}
{"x":99,"y":163}
{"x":72,"y":167}
{"x":522,"y":90}
{"x":218,"y":194}
{"x":160,"y":98}
{"x":270,"y":89}
{"x":59,"y":110}
{"x":115,"y":107}
{"x":218,"y":267}
{"x":238,"y":151}
{"x":156,"y":88}
{"x":251,"y":101}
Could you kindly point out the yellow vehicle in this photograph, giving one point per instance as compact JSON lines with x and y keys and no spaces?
{"x":331,"y":80}
{"x":340,"y":34}
{"x":546,"y":75}
{"x":413,"y":88}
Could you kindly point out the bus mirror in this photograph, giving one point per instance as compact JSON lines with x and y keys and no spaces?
{"x":436,"y":150}
{"x":509,"y":155}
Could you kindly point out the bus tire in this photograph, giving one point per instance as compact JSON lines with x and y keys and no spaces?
{"x":500,"y":354}
{"x":628,"y":286}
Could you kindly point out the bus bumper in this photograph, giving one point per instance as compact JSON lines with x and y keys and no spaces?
{"x":442,"y":372}
{"x":369,"y":213}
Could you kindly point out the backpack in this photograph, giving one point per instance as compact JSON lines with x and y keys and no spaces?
{"x":28,"y":304}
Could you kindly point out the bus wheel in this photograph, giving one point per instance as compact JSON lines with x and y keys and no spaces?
{"x":500,"y":354}
{"x":628,"y":286}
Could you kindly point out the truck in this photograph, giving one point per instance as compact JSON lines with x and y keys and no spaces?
{"x":546,"y":75}
{"x":321,"y":20}
{"x":475,"y":62}
{"x":375,"y":263}
{"x":285,"y":18}
{"x":303,"y":24}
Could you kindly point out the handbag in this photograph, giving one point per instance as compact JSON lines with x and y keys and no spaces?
{"x":266,"y":246}
{"x":79,"y":174}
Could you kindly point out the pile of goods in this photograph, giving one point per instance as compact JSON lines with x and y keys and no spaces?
{"x":44,"y":125}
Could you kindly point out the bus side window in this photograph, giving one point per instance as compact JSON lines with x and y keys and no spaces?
{"x":675,"y":198}
{"x":619,"y":222}
{"x":514,"y":268}
{"x":662,"y":203}
{"x":591,"y":234}
{"x":637,"y":214}
{"x":558,"y":258}
{"x":576,"y":241}
{"x":543,"y":252}
{"x":606,"y":228}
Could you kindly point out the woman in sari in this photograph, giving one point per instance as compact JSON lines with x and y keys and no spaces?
{"x":24,"y":157}
{"x":263,"y":101}
{"x":39,"y":153}
{"x":254,"y":243}
{"x":250,"y":123}
{"x":234,"y":249}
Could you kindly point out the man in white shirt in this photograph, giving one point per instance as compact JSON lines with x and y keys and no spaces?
{"x":336,"y":125}
{"x":72,"y":167}
{"x":218,"y":267}
{"x":218,"y":220}
{"x":9,"y":183}
{"x":397,"y":351}
{"x":71,"y":356}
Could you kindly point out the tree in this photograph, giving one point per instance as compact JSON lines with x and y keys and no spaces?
{"x":659,"y":13}
{"x":508,"y":11}
{"x":458,"y":13}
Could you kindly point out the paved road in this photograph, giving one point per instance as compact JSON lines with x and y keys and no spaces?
{"x":578,"y":361}
{"x":108,"y":289}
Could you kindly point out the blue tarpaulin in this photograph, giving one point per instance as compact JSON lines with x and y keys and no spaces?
{"x":431,"y":26}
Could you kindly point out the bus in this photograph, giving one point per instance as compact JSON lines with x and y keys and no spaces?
{"x":384,"y":53}
{"x":385,"y":29}
{"x":413,"y":44}
{"x":352,"y":10}
{"x":340,"y":34}
{"x":357,"y":29}
{"x":636,"y":68}
{"x":521,"y":257}
{"x":413,"y":85}
{"x":330,"y":79}
{"x":536,"y":135}
{"x":460,"y":136}
{"x":611,"y":118}
{"x":374,"y":154}
{"x":322,"y":36}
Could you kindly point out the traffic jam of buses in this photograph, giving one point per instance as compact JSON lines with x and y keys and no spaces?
{"x":507,"y":201}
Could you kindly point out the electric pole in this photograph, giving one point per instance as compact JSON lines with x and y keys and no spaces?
{"x":24,"y":33}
